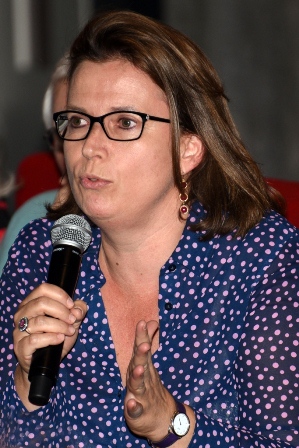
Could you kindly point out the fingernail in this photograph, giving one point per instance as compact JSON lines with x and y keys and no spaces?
{"x":78,"y":308}
{"x":72,"y":318}
{"x":70,"y":302}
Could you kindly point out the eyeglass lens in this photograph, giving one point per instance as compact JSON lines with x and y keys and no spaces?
{"x":117,"y":125}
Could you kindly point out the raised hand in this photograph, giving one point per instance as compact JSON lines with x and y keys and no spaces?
{"x":148,"y":405}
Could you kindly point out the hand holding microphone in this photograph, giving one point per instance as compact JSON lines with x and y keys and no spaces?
{"x":71,"y":235}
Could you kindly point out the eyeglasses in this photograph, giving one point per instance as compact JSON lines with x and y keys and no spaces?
{"x":122,"y":125}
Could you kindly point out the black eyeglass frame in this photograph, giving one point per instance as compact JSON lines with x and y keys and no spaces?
{"x":145,"y":117}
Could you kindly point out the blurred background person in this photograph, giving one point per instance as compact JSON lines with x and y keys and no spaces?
{"x":34,"y":207}
{"x":42,"y":171}
{"x":54,"y":100}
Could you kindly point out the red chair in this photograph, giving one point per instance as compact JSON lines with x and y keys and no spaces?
{"x":36,"y":174}
{"x":290,"y":191}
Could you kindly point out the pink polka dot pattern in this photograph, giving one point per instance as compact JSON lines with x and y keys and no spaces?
{"x":229,"y":343}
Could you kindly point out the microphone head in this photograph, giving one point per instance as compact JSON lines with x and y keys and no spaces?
{"x":72,"y":230}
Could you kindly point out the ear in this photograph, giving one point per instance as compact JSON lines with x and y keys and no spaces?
{"x":192,"y":151}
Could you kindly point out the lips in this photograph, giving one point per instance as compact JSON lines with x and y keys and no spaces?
{"x":92,"y":182}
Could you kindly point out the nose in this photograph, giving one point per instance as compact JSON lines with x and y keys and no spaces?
{"x":95,"y":142}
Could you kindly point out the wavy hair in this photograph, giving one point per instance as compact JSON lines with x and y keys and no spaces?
{"x":227,"y":182}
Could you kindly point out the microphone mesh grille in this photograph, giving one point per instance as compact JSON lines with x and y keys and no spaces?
{"x":72,"y":230}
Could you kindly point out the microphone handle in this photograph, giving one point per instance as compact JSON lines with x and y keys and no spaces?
{"x":63,"y":271}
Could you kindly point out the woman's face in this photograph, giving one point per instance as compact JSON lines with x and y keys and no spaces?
{"x":120,"y":182}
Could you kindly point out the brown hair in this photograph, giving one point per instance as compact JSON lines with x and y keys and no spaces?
{"x":227,"y":182}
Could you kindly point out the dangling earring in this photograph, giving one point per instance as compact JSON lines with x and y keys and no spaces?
{"x":184,"y":208}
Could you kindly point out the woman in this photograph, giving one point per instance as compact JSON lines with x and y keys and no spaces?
{"x":182,"y":330}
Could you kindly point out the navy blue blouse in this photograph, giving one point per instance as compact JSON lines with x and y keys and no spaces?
{"x":229,"y":343}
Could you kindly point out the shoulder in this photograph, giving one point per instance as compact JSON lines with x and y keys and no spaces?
{"x":32,"y":241}
{"x":273,"y":230}
{"x":29,"y":257}
{"x":259,"y":247}
{"x":269,"y":246}
{"x":32,"y":209}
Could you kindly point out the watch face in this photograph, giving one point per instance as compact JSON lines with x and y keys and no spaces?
{"x":181,"y":424}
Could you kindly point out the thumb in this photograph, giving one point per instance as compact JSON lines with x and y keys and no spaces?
{"x":79,"y":310}
{"x":134,"y":409}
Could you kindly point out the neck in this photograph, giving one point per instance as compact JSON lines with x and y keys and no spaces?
{"x":127,"y":255}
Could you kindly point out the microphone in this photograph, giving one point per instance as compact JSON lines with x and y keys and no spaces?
{"x":71,"y":236}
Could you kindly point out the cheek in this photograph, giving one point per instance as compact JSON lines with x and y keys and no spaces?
{"x":71,"y":155}
{"x":70,"y":164}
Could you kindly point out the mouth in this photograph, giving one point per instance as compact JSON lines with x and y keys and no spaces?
{"x":90,"y":181}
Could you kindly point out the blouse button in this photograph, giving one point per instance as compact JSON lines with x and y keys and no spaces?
{"x":172,"y":267}
{"x":168,"y":306}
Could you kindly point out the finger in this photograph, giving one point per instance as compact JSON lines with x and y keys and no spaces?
{"x":142,"y":333}
{"x":141,"y":353}
{"x":152,"y":328}
{"x":38,"y":340}
{"x":142,"y":344}
{"x":44,"y":306}
{"x":47,"y":324}
{"x":79,"y":311}
{"x":140,"y":362}
{"x":48,"y":290}
{"x":135,"y":382}
{"x":51,"y":333}
{"x":145,"y":332}
{"x":134,"y":409}
{"x":26,"y":346}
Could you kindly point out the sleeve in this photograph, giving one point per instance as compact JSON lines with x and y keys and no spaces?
{"x":266,"y":371}
{"x":25,"y":269}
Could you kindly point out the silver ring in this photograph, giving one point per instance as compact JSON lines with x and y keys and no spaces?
{"x":23,"y":324}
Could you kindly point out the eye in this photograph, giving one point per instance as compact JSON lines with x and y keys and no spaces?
{"x":126,"y":122}
{"x":77,"y":121}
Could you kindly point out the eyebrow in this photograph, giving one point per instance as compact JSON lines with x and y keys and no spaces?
{"x":113,"y":109}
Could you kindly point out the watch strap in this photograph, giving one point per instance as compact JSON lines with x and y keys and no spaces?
{"x":171,"y":438}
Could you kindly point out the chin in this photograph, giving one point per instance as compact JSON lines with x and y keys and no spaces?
{"x":98,"y":214}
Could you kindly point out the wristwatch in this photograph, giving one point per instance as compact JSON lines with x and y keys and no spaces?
{"x":178,"y":428}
